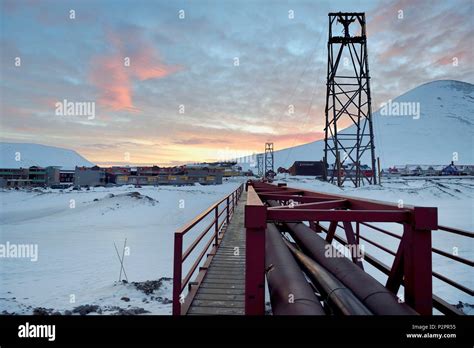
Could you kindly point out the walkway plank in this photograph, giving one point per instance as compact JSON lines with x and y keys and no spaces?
{"x":222,"y":290}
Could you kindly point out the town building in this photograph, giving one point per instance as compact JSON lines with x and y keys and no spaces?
{"x":66,"y":177}
{"x":307,"y":168}
{"x":33,"y":176}
{"x":93,"y":176}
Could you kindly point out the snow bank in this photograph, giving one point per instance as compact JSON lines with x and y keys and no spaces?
{"x":75,"y":232}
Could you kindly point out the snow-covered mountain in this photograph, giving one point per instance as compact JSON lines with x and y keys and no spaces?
{"x":22,"y":155}
{"x":445,"y":126}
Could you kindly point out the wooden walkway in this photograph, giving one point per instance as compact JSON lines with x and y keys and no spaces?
{"x":223,"y":287}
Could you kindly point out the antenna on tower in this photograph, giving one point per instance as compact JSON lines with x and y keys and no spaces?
{"x":348,"y":103}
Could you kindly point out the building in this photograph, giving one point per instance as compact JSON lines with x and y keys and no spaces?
{"x":94,"y":176}
{"x":37,"y":176}
{"x":15,"y":177}
{"x":450,"y":170}
{"x":430,"y":170}
{"x":146,"y":171}
{"x":52,"y":176}
{"x":178,"y":175}
{"x":66,"y":177}
{"x":117,"y":175}
{"x":392,"y":171}
{"x":307,"y":168}
{"x":141,"y":180}
{"x":366,"y":170}
{"x":59,"y":178}
{"x":205,"y":175}
{"x":228,"y":168}
{"x":33,"y":176}
{"x":118,"y":170}
{"x":465,"y":169}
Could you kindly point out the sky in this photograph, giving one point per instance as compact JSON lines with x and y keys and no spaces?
{"x":175,"y":82}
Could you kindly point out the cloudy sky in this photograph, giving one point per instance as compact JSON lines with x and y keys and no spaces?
{"x":167,"y":89}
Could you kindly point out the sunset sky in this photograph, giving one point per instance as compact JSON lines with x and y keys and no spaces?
{"x":174,"y":62}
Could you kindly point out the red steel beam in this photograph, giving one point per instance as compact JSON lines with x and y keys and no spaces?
{"x":294,"y":198}
{"x":350,"y":236}
{"x":340,"y":203}
{"x":418,"y":276}
{"x":285,"y":190}
{"x":355,"y":203}
{"x":296,"y":214}
{"x":255,"y":224}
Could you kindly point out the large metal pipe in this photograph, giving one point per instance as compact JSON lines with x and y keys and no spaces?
{"x":376,"y":297}
{"x":290,"y":292}
{"x":340,"y":298}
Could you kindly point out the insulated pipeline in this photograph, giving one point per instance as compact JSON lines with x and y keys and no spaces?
{"x":341,"y":299}
{"x":290,"y":292}
{"x":376,"y":297}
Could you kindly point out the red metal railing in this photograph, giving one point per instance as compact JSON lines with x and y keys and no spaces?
{"x":412,"y":264}
{"x":181,"y":303}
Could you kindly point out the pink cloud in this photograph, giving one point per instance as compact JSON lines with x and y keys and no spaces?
{"x":147,"y":65}
{"x":114,"y":80}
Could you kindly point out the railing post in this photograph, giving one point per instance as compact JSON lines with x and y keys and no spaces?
{"x":255,"y":224}
{"x":216,"y":226}
{"x":228,"y":212}
{"x":418,"y":281}
{"x":357,"y":233}
{"x":177,"y":273}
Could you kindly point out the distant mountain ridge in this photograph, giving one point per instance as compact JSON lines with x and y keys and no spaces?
{"x":443,"y":130}
{"x":25,"y":155}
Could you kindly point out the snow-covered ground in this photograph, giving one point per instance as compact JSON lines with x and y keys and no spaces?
{"x":76,"y":255}
{"x":77,"y":258}
{"x":454,"y":199}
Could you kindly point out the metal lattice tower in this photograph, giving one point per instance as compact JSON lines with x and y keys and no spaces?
{"x":260,"y":164}
{"x":268,"y":158}
{"x":348,"y":102}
